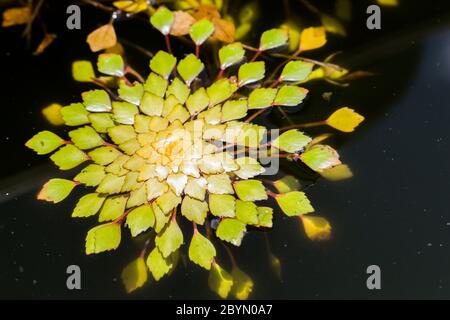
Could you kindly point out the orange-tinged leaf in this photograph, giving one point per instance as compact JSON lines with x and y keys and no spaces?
{"x":48,"y":40}
{"x":132,"y":6}
{"x":316,"y":228}
{"x":224,"y":30}
{"x":345,"y":119}
{"x":53,"y":114}
{"x":207,"y":11}
{"x":56,"y":190}
{"x":16,"y":16}
{"x":102,"y":38}
{"x":337,"y":173}
{"x":182,"y":23}
{"x":312,"y":38}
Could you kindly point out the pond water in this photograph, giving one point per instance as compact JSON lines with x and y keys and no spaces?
{"x":393,"y":213}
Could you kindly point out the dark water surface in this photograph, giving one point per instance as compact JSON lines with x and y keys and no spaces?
{"x":393,"y":213}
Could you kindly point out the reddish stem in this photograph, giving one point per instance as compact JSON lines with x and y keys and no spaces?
{"x":256,"y":55}
{"x":272,"y":194}
{"x":167,"y":39}
{"x":220,"y":74}
{"x":197,"y":50}
{"x":255,"y":115}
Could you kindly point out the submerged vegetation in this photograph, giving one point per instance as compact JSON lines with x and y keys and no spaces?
{"x":183,"y":143}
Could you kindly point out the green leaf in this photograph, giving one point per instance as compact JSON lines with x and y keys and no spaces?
{"x":161,"y":218}
{"x":231,"y":54}
{"x":170,"y":239}
{"x":111,"y":64}
{"x":265,"y":217}
{"x":294,"y":203}
{"x":83,"y":71}
{"x":251,"y":72}
{"x":189,"y":68}
{"x":121,"y":133}
{"x":140,"y":219}
{"x":320,"y":158}
{"x":113,"y":208}
{"x":250,"y":190}
{"x":151,"y":104}
{"x":137,"y":197}
{"x":178,"y":89}
{"x":86,"y":138}
{"x":248,"y":168}
{"x":134,"y":275}
{"x":287,"y":184}
{"x":291,"y":141}
{"x":246,"y":212}
{"x":242,"y":284}
{"x":219,"y":184}
{"x":220,"y":281}
{"x":261,"y":98}
{"x":201,"y":30}
{"x":194,"y":210}
{"x":75,"y":114}
{"x":196,"y":188}
{"x":163,"y":63}
{"x":156,"y":84}
{"x":157,"y":264}
{"x":178,"y":113}
{"x":197,"y":101}
{"x":162,"y":20}
{"x":56,"y":190}
{"x":231,"y":230}
{"x":168,"y":201}
{"x":88,"y":205}
{"x":290,"y":96}
{"x":201,"y":251}
{"x":233,"y":110}
{"x":222,"y":205}
{"x":101,"y":122}
{"x":296,"y":71}
{"x":103,"y":237}
{"x":111,"y":184}
{"x":96,"y":101}
{"x":219,"y":91}
{"x":124,"y":112}
{"x":44,"y":142}
{"x":104,"y":155}
{"x":273,"y":38}
{"x":68,"y":157}
{"x":91,"y":176}
{"x":131,"y":94}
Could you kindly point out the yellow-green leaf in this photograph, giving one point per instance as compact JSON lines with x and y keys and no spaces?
{"x":44,"y":142}
{"x":296,"y":71}
{"x":162,"y":20}
{"x":294,"y":203}
{"x":170,"y":239}
{"x":250,"y":190}
{"x":290,"y":96}
{"x":251,"y":72}
{"x":201,"y":30}
{"x":163,"y":63}
{"x":83,"y":71}
{"x":121,"y":133}
{"x":248,"y":168}
{"x":96,"y":100}
{"x":234,"y":109}
{"x":124,"y":112}
{"x":111,"y":184}
{"x":194,"y":210}
{"x":220,"y":91}
{"x":113,"y":208}
{"x":178,"y":89}
{"x":231,"y":230}
{"x":287,"y":184}
{"x":261,"y":98}
{"x":189,"y":68}
{"x":320,"y":157}
{"x":75,"y":114}
{"x":103,"y":237}
{"x":86,"y":138}
{"x":91,"y":176}
{"x":140,"y":219}
{"x":56,"y":190}
{"x":101,"y":122}
{"x":273,"y":38}
{"x":111,"y":64}
{"x":201,"y":250}
{"x":246,"y":212}
{"x":158,"y":265}
{"x":131,"y":94}
{"x":88,"y":205}
{"x":265,"y":217}
{"x":242,"y":284}
{"x":104,"y":155}
{"x":68,"y":157}
{"x":155,"y":84}
{"x":222,"y":205}
{"x":291,"y":141}
{"x":231,"y":54}
{"x":337,"y":173}
{"x":197,"y":101}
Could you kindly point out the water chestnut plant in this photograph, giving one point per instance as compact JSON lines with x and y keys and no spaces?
{"x":182,"y":145}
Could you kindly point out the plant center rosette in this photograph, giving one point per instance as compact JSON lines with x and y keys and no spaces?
{"x":180,"y":144}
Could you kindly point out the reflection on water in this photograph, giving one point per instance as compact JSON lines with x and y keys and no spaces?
{"x":391,"y":213}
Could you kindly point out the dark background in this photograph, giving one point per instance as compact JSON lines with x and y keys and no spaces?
{"x":393,"y":213}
